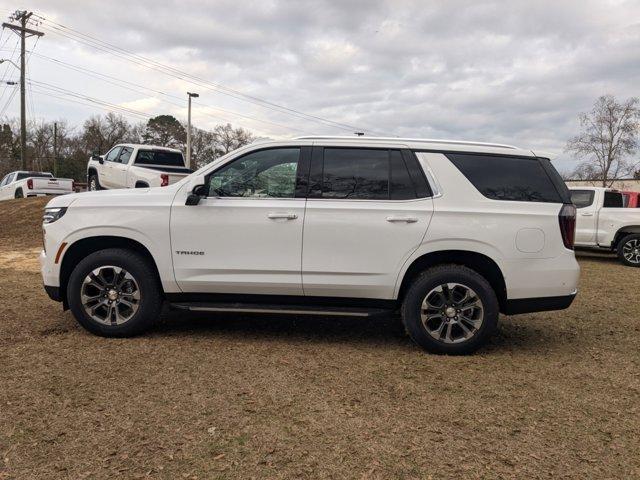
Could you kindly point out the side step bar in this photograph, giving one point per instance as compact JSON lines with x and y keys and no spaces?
{"x":280,"y":309}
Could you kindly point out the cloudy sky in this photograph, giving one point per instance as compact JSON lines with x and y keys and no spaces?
{"x":517,"y":72}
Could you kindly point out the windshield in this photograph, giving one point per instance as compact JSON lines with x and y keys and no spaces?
{"x":159,"y":157}
{"x":22,"y":175}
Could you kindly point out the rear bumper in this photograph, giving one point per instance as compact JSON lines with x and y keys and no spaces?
{"x":529,"y":305}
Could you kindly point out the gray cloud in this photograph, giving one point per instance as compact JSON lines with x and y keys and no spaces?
{"x":517,"y":72}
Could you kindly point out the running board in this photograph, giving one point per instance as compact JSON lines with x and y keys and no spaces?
{"x":281,"y":309}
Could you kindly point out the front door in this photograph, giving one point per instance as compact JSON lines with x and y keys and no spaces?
{"x":107,"y":172}
{"x":246,"y":235}
{"x":367,"y":212}
{"x":120,"y":167}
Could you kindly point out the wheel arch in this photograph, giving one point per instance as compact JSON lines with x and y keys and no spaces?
{"x":478,"y":262}
{"x":141,"y":184}
{"x":623,"y":232}
{"x":86,"y":246}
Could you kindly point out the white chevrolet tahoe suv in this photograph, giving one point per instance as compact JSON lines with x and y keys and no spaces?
{"x":130,"y":165}
{"x":603,"y":223}
{"x":449,"y":233}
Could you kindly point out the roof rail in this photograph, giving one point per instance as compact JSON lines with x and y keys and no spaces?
{"x":397,"y":139}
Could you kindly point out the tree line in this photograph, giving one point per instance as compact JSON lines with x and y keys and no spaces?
{"x":73,"y":146}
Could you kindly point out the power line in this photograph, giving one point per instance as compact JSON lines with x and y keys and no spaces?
{"x":126,"y":85}
{"x":68,"y":32}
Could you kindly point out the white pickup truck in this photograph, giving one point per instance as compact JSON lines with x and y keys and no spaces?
{"x":24,"y":184}
{"x":129,"y":165}
{"x":603,"y":223}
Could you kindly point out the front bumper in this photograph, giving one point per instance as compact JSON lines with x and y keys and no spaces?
{"x":53,"y":292}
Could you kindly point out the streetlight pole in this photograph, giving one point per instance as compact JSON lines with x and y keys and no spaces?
{"x":190,"y":95}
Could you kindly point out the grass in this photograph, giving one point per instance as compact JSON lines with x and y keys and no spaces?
{"x":555,"y":394}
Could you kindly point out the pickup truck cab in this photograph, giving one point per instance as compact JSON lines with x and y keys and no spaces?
{"x":129,"y":165}
{"x":24,"y":184}
{"x":449,"y":233}
{"x":603,"y":223}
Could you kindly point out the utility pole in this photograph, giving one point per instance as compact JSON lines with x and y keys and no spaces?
{"x":55,"y":149}
{"x":190,"y":95}
{"x":24,"y":32}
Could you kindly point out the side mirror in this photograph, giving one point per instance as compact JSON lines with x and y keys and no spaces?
{"x":196,"y":190}
{"x":97,"y":158}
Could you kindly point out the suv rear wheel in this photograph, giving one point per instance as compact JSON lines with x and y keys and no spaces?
{"x":114,"y":293}
{"x":450,"y":309}
{"x":629,"y":250}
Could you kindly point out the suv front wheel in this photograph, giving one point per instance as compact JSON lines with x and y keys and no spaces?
{"x":450,"y":309}
{"x":115,"y":293}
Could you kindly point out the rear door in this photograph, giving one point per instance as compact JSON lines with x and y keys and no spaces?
{"x":366,"y":214}
{"x":4,"y":187}
{"x":587,"y":215}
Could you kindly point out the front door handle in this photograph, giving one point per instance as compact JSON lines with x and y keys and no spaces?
{"x":587,"y":214}
{"x":402,"y":219}
{"x":287,"y":216}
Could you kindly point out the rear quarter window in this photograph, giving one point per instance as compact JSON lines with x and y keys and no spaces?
{"x":499,"y":177}
{"x":613,"y":200}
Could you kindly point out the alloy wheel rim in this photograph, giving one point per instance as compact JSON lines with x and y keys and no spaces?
{"x":110,"y":295}
{"x":452,"y":313}
{"x":631,"y":251}
{"x":92,"y":185}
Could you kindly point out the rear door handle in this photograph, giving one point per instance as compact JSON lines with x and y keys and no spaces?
{"x":402,"y":219}
{"x":587,"y":214}
{"x":287,"y":216}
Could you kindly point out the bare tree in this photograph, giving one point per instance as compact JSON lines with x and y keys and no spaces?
{"x":609,"y":137}
{"x":228,"y":138}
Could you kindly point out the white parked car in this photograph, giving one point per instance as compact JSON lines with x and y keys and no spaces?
{"x":449,"y":233}
{"x":130,"y":165}
{"x":604,"y":224}
{"x":24,"y":184}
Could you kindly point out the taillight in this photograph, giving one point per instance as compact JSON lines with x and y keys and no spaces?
{"x":30,"y":184}
{"x":73,"y":185}
{"x":567,"y":219}
{"x":164,"y":179}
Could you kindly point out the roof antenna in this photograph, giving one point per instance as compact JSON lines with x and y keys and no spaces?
{"x":359,"y":134}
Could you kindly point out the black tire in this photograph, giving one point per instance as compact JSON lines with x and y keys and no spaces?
{"x":630,"y":243}
{"x":433,"y":278}
{"x":93,"y":184}
{"x":18,"y":193}
{"x":150,"y":290}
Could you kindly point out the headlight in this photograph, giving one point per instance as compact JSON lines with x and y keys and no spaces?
{"x":53,"y":214}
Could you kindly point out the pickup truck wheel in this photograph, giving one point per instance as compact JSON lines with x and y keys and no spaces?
{"x":18,"y":193}
{"x":114,"y":293}
{"x":94,"y":184}
{"x":450,"y":309}
{"x":629,"y":250}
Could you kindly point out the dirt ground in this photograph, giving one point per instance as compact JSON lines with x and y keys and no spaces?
{"x":554,"y":395}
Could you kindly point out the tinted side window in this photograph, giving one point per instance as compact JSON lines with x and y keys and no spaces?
{"x":507,"y":178}
{"x":265,"y":173}
{"x":112,"y":156}
{"x":400,"y":183}
{"x":582,"y":198}
{"x":355,"y":173}
{"x":125,"y":155}
{"x":613,"y":200}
